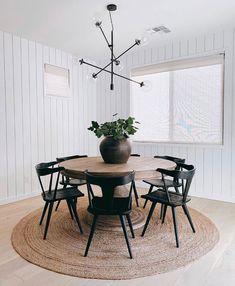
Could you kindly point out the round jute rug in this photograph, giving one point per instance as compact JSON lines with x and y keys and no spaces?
{"x":108,"y":256}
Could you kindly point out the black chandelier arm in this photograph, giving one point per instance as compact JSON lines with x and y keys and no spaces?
{"x":106,"y":40}
{"x":127,"y":78}
{"x":141,"y":84}
{"x":102,"y":31}
{"x":137,"y":42}
{"x":112,"y":59}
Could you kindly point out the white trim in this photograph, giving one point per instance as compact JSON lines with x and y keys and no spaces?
{"x":182,"y":58}
{"x":179,"y":64}
{"x":180,"y":144}
{"x":19,"y":198}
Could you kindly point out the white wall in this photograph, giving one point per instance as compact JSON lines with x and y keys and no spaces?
{"x":34,"y":127}
{"x":215,"y":176}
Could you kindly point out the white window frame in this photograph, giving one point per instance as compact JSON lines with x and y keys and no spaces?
{"x":164,"y":66}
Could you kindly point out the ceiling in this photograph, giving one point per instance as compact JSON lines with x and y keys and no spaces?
{"x":68,"y":24}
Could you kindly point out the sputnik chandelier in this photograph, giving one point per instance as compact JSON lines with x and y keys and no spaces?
{"x":114,"y":60}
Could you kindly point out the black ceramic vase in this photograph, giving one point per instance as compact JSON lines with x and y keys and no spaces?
{"x":115,"y":151}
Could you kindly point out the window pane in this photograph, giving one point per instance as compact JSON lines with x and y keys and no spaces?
{"x":149,"y":110}
{"x":184,"y":105}
{"x":197,"y":105}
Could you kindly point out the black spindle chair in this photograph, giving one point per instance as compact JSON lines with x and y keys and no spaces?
{"x":67,"y":181}
{"x":134,"y":186}
{"x":172,"y":199}
{"x":158,"y":183}
{"x":52,"y":194}
{"x":108,"y":204}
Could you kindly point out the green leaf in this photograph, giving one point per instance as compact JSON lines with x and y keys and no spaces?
{"x":119,"y":128}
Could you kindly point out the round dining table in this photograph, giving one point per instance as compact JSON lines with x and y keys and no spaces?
{"x":144,"y":167}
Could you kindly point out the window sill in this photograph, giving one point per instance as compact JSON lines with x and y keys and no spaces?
{"x":180,"y":144}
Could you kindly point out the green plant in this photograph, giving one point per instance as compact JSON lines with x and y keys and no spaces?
{"x":118,"y":129}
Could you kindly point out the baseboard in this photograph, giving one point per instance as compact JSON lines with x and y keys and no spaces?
{"x":142,"y":185}
{"x":19,"y":198}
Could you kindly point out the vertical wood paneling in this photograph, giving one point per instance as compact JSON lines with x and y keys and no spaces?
{"x":10,"y":115}
{"x":3,"y":142}
{"x":33,"y":112}
{"x":72,"y":108}
{"x":40,"y":103}
{"x":184,"y":48}
{"x":18,"y":116}
{"x":80,"y":104}
{"x":176,"y":49}
{"x":47,"y":113}
{"x":91,"y":113}
{"x":53,"y":112}
{"x":192,"y":46}
{"x":209,"y":42}
{"x":59,"y":111}
{"x":233,"y":120}
{"x":75,"y":102}
{"x":65,"y":111}
{"x":215,"y":166}
{"x":26,"y":116}
{"x":35,"y":127}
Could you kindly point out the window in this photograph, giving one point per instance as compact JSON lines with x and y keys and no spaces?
{"x":57,"y":81}
{"x":184,"y":104}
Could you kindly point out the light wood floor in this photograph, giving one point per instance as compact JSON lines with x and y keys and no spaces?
{"x":215,"y":268}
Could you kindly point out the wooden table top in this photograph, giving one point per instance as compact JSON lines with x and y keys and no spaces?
{"x":144,"y":167}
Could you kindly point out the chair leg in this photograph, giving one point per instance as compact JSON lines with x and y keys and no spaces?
{"x":130,"y":225}
{"x":58,"y":203}
{"x":146,"y":200}
{"x":125,"y":234}
{"x":73,"y":205}
{"x":91,"y":234}
{"x":149,"y":217}
{"x":136,"y":194}
{"x":43,"y":212}
{"x":70,"y":208}
{"x":177,"y":190}
{"x":161,"y":212}
{"x":164,"y":213}
{"x":175,"y":226}
{"x":186,"y":211}
{"x":48,"y":219}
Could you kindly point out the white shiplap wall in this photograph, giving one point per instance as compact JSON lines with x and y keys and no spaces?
{"x":34,"y":127}
{"x":215,"y":176}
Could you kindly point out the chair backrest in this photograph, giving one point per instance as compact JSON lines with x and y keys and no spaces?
{"x":62,"y":159}
{"x":173,"y":159}
{"x":48,"y":169}
{"x":185,"y":175}
{"x":108,"y":185}
{"x":135,"y":155}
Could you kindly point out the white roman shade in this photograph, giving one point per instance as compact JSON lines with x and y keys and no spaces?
{"x":185,"y":103}
{"x":57,"y":80}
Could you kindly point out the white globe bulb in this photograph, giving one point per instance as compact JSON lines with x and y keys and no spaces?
{"x":119,"y":66}
{"x":96,"y":19}
{"x":91,"y":79}
{"x":144,"y":39}
{"x":147,"y":86}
